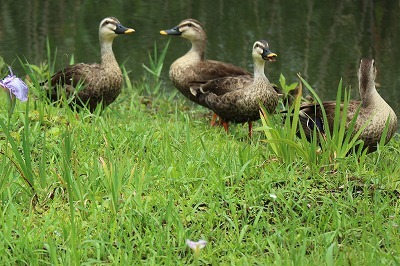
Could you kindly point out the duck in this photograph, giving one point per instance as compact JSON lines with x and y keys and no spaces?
{"x":90,"y":85}
{"x":193,"y":68}
{"x":373,"y":111}
{"x":241,"y":101}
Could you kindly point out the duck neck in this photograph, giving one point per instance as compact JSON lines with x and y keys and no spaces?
{"x":197,"y":50}
{"x":370,"y":96}
{"x":107,"y":54}
{"x":259,"y":75}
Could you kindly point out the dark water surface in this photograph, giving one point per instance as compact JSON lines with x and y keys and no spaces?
{"x":324,"y":40}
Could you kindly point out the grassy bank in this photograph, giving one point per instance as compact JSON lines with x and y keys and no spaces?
{"x":129,"y":187}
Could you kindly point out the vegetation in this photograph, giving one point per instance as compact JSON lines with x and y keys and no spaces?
{"x":130,"y":185}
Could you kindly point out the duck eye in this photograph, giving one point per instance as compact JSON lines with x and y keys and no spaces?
{"x":189,"y":24}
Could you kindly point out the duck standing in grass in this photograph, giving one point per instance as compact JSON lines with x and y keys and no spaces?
{"x":92,"y":84}
{"x":241,"y":101}
{"x":372,"y":111}
{"x":192,"y":68}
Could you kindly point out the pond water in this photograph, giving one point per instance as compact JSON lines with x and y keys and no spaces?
{"x":323,"y":40}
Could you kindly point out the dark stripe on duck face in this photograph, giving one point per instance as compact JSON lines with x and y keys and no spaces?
{"x":259,"y":44}
{"x":110,"y":20}
{"x":190,"y":24}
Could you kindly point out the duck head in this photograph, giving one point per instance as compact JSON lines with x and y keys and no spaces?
{"x":261,"y":50}
{"x":190,"y":29}
{"x":111,"y":27}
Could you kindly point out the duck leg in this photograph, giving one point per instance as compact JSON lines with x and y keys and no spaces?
{"x":250,"y":129}
{"x":226,"y":126}
{"x":214,"y":119}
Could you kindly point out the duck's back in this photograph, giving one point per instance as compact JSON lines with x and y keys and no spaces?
{"x":185,"y":73}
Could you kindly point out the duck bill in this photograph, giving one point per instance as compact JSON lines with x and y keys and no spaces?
{"x":123,"y":30}
{"x":268,"y":55}
{"x":173,"y":31}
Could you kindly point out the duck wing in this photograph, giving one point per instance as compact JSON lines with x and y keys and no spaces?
{"x":311,"y":115}
{"x":209,"y":70}
{"x":73,"y":75}
{"x":228,"y":84}
{"x":70,"y":78}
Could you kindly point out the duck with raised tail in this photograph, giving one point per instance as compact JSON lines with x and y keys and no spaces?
{"x":372,"y":110}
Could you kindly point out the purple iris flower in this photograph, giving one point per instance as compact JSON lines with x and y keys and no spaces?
{"x":16,"y":86}
{"x":196,"y":246}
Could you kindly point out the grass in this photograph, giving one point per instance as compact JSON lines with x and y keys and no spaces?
{"x":129,"y":186}
{"x":327,"y":149}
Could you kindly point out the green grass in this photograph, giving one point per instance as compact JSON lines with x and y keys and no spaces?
{"x":129,"y":187}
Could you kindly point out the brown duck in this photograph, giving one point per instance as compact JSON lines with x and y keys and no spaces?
{"x":241,"y":101}
{"x":192,"y":68}
{"x":100,"y":83}
{"x":372,"y":109}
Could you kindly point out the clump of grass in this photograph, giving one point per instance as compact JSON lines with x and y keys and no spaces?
{"x":281,"y":131}
{"x":342,"y":139}
{"x":152,"y":81}
{"x":288,"y":141}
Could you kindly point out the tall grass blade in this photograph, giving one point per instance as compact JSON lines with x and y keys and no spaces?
{"x":22,"y":160}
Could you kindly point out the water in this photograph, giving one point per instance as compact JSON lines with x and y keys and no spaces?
{"x":323,"y":40}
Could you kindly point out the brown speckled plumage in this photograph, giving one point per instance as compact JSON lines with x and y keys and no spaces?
{"x":100,"y":82}
{"x":241,"y":102}
{"x":192,"y":68}
{"x":371,"y":107}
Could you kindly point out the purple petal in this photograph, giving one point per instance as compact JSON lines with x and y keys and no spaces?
{"x":16,"y":86}
{"x":201,"y":243}
{"x":191,"y":243}
{"x":196,"y":245}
